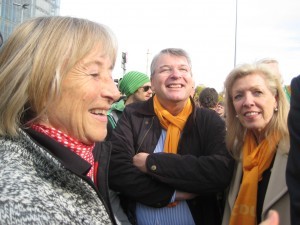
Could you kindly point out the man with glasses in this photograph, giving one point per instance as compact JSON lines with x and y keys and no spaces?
{"x":135,"y":86}
{"x":169,"y":160}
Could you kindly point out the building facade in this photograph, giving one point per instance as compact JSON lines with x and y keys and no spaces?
{"x":14,"y":12}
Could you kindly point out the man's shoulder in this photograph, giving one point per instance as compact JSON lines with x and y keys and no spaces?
{"x":208,"y":115}
{"x":142,"y":107}
{"x":295,"y":83}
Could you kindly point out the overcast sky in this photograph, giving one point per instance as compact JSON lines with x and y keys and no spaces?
{"x":204,"y":28}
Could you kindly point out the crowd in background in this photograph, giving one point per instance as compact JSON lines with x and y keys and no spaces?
{"x":77,"y":149}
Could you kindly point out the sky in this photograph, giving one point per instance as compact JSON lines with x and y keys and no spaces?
{"x":215,"y":34}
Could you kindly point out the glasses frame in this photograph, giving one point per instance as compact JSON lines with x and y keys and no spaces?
{"x":146,"y":88}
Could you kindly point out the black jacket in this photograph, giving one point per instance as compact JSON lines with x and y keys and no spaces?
{"x":202,"y":165}
{"x":293,"y":164}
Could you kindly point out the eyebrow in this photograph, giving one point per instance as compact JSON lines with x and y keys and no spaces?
{"x":97,"y":62}
{"x":185,"y":65}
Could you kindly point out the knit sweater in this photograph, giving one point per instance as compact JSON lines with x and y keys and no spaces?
{"x":35,"y":188}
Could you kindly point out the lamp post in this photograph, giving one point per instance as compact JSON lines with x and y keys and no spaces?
{"x":124,"y":61}
{"x":235,"y":33}
{"x":23,"y":6}
{"x":147,"y":64}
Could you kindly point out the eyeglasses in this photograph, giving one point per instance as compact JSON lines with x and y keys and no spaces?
{"x":146,"y":88}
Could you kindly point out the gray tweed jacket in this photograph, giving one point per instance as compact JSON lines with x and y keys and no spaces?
{"x":37,"y":187}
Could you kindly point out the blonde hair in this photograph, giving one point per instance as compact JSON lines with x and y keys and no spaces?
{"x":36,"y":58}
{"x":235,"y":130}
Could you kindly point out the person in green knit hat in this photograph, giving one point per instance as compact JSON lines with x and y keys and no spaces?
{"x":136,"y":87}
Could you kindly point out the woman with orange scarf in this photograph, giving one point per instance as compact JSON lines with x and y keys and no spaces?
{"x":257,"y":136}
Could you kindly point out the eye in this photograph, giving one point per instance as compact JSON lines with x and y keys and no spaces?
{"x":184,"y":69}
{"x":165,"y":70}
{"x":237,"y":97}
{"x":95,"y":74}
{"x":258,"y":93}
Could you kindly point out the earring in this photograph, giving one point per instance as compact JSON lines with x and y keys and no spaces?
{"x":276,"y":109}
{"x":236,"y":115}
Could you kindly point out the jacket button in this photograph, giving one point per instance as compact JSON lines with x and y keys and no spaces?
{"x":153,"y":167}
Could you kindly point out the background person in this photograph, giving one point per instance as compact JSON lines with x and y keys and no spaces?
{"x":169,"y":158}
{"x":257,"y":135}
{"x":56,"y":88}
{"x":221,"y":109}
{"x":136,"y":87}
{"x":273,"y":64}
{"x":293,"y":165}
{"x":209,"y":98}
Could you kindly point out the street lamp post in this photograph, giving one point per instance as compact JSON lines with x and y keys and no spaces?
{"x":235,"y":32}
{"x":147,"y":64}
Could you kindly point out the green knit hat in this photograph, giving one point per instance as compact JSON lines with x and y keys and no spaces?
{"x":131,"y":81}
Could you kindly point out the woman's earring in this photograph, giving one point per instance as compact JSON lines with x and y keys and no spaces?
{"x":276,"y":109}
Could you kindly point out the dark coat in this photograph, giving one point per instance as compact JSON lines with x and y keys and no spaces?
{"x":293,"y":164}
{"x":202,"y":165}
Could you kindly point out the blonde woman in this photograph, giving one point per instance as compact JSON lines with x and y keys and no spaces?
{"x":56,"y":88}
{"x":258,"y":137}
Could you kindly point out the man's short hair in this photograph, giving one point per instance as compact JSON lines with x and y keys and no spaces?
{"x":208,"y":98}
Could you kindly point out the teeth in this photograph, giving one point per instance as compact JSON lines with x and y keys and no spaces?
{"x":251,"y":113}
{"x":175,"y":85}
{"x":98,"y":111}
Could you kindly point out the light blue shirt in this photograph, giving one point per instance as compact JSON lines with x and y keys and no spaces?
{"x":178,"y":215}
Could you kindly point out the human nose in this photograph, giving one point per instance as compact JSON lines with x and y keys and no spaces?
{"x":150,"y":91}
{"x":176,"y":73}
{"x":111,"y":91}
{"x":248,"y":100}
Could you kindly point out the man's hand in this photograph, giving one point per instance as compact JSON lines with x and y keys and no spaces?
{"x":184,"y":195}
{"x":139,"y":160}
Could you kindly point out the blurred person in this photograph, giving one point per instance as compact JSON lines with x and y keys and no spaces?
{"x":136,"y":87}
{"x":209,"y":98}
{"x":293,"y":165}
{"x":56,"y":88}
{"x":169,"y":158}
{"x":193,"y":89}
{"x":220,"y":109}
{"x":273,"y":64}
{"x":257,"y":136}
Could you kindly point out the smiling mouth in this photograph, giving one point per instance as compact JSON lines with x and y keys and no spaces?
{"x":175,"y":86}
{"x":251,"y":113}
{"x":98,"y":112}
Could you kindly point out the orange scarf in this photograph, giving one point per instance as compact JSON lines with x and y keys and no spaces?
{"x":173,"y":124}
{"x":256,"y":159}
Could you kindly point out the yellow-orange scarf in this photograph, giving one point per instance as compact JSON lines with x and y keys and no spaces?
{"x":173,"y":124}
{"x":256,"y":159}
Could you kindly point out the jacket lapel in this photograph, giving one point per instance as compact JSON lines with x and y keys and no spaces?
{"x":277,"y":185}
{"x":235,"y":185}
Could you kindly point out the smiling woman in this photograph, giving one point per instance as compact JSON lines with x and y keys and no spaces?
{"x":56,"y":88}
{"x":257,"y":135}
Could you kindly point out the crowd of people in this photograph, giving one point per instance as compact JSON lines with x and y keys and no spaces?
{"x":77,"y":149}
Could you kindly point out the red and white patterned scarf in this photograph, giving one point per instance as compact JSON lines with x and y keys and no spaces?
{"x":83,"y":150}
